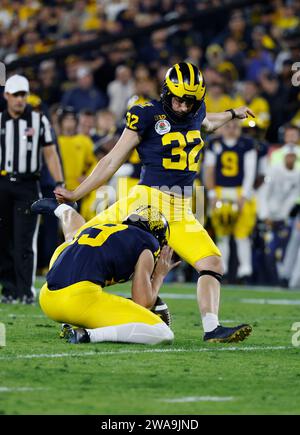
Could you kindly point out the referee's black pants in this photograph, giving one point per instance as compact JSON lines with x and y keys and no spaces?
{"x":18,"y":236}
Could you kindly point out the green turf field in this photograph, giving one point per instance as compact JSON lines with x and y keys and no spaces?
{"x":40,"y":374}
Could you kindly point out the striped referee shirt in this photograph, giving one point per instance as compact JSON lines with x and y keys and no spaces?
{"x":21,"y":141}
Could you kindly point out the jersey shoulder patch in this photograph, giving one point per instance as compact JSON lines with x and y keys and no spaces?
{"x":143,"y":105}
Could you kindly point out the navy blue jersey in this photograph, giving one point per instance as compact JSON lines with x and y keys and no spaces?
{"x":229,"y":168}
{"x":169,"y":151}
{"x":103,"y":254}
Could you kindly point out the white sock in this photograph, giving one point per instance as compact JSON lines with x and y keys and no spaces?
{"x":60,"y":209}
{"x":224,"y":246}
{"x":108,"y":333}
{"x":244,"y":253}
{"x":210,"y":321}
{"x":132,"y":333}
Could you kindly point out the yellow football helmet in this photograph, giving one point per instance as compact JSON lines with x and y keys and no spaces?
{"x":183,"y":80}
{"x":150,"y":219}
{"x":34,"y":100}
{"x":224,"y":217}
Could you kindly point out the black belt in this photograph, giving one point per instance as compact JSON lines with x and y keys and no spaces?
{"x":14,"y":176}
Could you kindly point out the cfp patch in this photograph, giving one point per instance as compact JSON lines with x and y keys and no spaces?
{"x":163,"y":126}
{"x":217,"y":147}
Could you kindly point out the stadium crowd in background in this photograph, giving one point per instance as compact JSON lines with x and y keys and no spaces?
{"x":246,"y":57}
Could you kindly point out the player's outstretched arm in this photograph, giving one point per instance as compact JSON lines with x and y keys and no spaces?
{"x":104,"y":170}
{"x":213,"y":121}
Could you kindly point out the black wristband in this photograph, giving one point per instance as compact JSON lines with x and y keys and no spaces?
{"x":232,"y":113}
{"x":59,"y":184}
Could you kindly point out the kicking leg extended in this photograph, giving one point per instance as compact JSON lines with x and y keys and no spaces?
{"x":70,"y":219}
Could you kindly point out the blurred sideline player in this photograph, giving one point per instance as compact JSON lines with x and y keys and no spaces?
{"x":98,"y":255}
{"x":257,"y":104}
{"x":76,"y":152}
{"x":167,"y":136}
{"x":230,"y":170}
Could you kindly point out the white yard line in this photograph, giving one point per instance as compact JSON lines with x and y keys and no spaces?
{"x":260,"y":289}
{"x":42,"y":316}
{"x":32,"y":316}
{"x":199,"y":399}
{"x":177,"y":296}
{"x":259,"y":301}
{"x":183,"y":296}
{"x":295,"y":318}
{"x":235,"y":287}
{"x":19,"y":389}
{"x":141,"y":351}
{"x":271,"y":301}
{"x":243,"y":301}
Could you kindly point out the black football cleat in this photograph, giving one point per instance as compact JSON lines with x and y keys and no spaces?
{"x":223,"y":334}
{"x":48,"y":205}
{"x":64,"y":330}
{"x":77,"y":336}
{"x":160,"y":308}
{"x":9,"y":300}
{"x":28,"y":300}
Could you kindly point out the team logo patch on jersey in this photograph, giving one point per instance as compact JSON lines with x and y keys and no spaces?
{"x":163,"y":126}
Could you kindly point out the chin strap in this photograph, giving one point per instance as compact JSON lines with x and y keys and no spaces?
{"x":216,"y":275}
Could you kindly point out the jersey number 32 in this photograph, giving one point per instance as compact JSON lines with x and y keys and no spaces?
{"x":186,"y":160}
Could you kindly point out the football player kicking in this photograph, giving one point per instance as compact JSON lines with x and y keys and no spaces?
{"x":98,"y":255}
{"x":167,"y":136}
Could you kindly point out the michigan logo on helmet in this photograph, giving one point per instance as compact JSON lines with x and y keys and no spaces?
{"x":224,"y":217}
{"x":150,"y":219}
{"x":184,"y":80}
